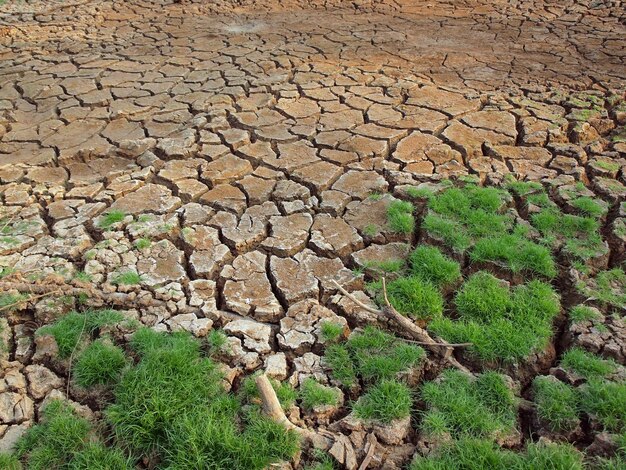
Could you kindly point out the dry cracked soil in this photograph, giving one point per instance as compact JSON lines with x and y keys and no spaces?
{"x":210,"y":165}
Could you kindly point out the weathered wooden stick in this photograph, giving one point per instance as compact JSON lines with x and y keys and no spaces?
{"x":422,"y":336}
{"x":371,"y":442}
{"x":272,"y":408}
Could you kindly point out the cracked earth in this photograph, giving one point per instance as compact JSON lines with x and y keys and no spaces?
{"x":238,"y":144}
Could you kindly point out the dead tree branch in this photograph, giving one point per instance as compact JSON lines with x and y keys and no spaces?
{"x":420,"y":335}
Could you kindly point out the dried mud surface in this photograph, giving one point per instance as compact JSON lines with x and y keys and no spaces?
{"x":241,"y":140}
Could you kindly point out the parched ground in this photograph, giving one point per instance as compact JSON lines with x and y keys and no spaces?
{"x":226,"y":152}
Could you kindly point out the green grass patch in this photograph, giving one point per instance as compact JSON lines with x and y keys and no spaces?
{"x":502,"y":325}
{"x":111,"y":218}
{"x":581,"y":313}
{"x":607,"y":288}
{"x":412,"y":297}
{"x":556,"y":403}
{"x":518,"y":254}
{"x":217,"y":341}
{"x":373,"y":355}
{"x":313,"y":394}
{"x":340,"y":361}
{"x":400,"y":217}
{"x":386,"y":401}
{"x":172,"y":403}
{"x":69,"y":330}
{"x":330,"y":331}
{"x":64,"y":440}
{"x":579,"y":236}
{"x":462,"y":407}
{"x":606,"y":402}
{"x":10,"y":462}
{"x":586,"y":364}
{"x":589,"y":207}
{"x":480,"y":454}
{"x":143,"y":243}
{"x":429,"y":264}
{"x":128,"y":278}
{"x":99,"y":364}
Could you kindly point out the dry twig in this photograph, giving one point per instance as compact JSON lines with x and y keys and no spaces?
{"x":421,"y":336}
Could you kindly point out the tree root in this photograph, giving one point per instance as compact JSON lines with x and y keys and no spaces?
{"x":420,"y":335}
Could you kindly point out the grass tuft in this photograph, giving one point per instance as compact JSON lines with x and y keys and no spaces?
{"x":587,"y":365}
{"x":556,"y":403}
{"x":313,"y":394}
{"x":581,"y":313}
{"x":412,"y":297}
{"x":400,"y":217}
{"x":64,"y":440}
{"x":331,"y":332}
{"x":517,"y":253}
{"x":111,"y":218}
{"x":479,"y":454}
{"x":386,"y":401}
{"x":605,"y":402}
{"x":503,"y":326}
{"x":172,"y":403}
{"x":128,"y":278}
{"x":484,"y":407}
{"x":67,"y":330}
{"x":99,"y":364}
{"x":428,"y":264}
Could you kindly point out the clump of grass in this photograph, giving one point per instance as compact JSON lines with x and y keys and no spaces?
{"x":587,"y":365}
{"x":12,"y":301}
{"x":111,"y":218}
{"x":606,"y":402}
{"x":523,"y":188}
{"x":412,"y":297}
{"x":373,"y":355}
{"x":67,"y":331}
{"x":579,"y":236}
{"x":481,"y":454}
{"x":83,"y":276}
{"x":503,"y":326}
{"x":217,"y":341}
{"x":607,"y":288}
{"x":517,"y":253}
{"x":314,"y":394}
{"x":371,"y":230}
{"x":100,"y":363}
{"x":143,"y":243}
{"x":483,"y":297}
{"x":463,"y":407}
{"x":589,"y":207}
{"x":338,"y":358}
{"x":128,"y":278}
{"x":172,"y":403}
{"x":62,"y":440}
{"x":420,"y":193}
{"x":249,"y":392}
{"x":556,"y":403}
{"x":581,"y":313}
{"x":451,"y":232}
{"x":10,"y":462}
{"x":428,"y":264}
{"x":378,"y":355}
{"x":400,"y":217}
{"x":330,"y":331}
{"x":386,"y":401}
